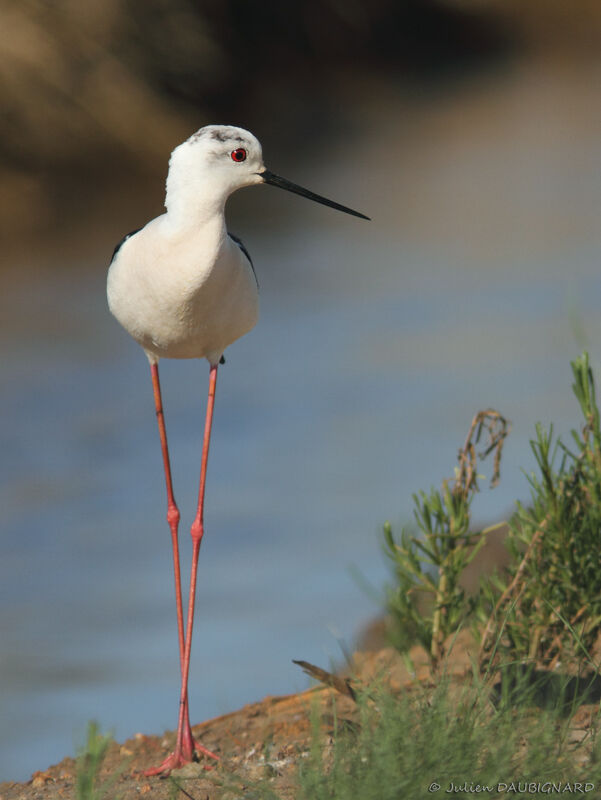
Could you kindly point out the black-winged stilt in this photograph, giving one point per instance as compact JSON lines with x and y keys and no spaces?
{"x":185,"y":288}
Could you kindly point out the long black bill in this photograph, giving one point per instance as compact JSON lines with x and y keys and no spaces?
{"x":275,"y":180}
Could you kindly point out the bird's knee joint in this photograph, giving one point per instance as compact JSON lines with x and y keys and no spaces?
{"x":197,"y":531}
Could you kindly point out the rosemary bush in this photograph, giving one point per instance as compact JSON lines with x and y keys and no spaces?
{"x":427,"y":603}
{"x":549,"y":608}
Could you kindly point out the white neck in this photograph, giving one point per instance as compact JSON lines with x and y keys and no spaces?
{"x":195,"y":195}
{"x":191,"y":204}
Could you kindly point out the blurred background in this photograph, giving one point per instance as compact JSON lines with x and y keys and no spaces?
{"x":469,"y":130}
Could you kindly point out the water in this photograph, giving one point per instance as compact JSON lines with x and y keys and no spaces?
{"x":474,"y":285}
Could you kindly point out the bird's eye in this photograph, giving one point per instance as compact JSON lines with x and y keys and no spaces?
{"x":239,"y":155}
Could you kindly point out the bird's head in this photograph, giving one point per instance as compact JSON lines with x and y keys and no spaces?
{"x":217,"y":160}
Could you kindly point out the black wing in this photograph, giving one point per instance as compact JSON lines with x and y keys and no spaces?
{"x":121,"y":243}
{"x":240,"y":244}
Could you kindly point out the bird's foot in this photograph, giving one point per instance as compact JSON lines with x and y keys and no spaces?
{"x":200,"y":748}
{"x":173,"y":761}
{"x":183,"y":754}
{"x":191,"y":746}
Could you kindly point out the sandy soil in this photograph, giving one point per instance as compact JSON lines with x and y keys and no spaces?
{"x":263,"y":740}
{"x":266,"y":739}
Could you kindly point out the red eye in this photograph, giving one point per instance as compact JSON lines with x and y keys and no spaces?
{"x":239,"y":154}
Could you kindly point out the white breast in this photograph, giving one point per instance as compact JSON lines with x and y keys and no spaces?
{"x":183,"y":294}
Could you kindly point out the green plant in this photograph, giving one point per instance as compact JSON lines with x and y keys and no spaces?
{"x":549,"y":607}
{"x":427,"y":602}
{"x":450,"y":741}
{"x":89,"y":764}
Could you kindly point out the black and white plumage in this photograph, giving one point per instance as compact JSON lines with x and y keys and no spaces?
{"x":184,"y":287}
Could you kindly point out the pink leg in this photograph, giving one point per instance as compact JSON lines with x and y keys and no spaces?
{"x":185,"y":744}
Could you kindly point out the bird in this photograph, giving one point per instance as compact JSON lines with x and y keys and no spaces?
{"x":184,"y":287}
